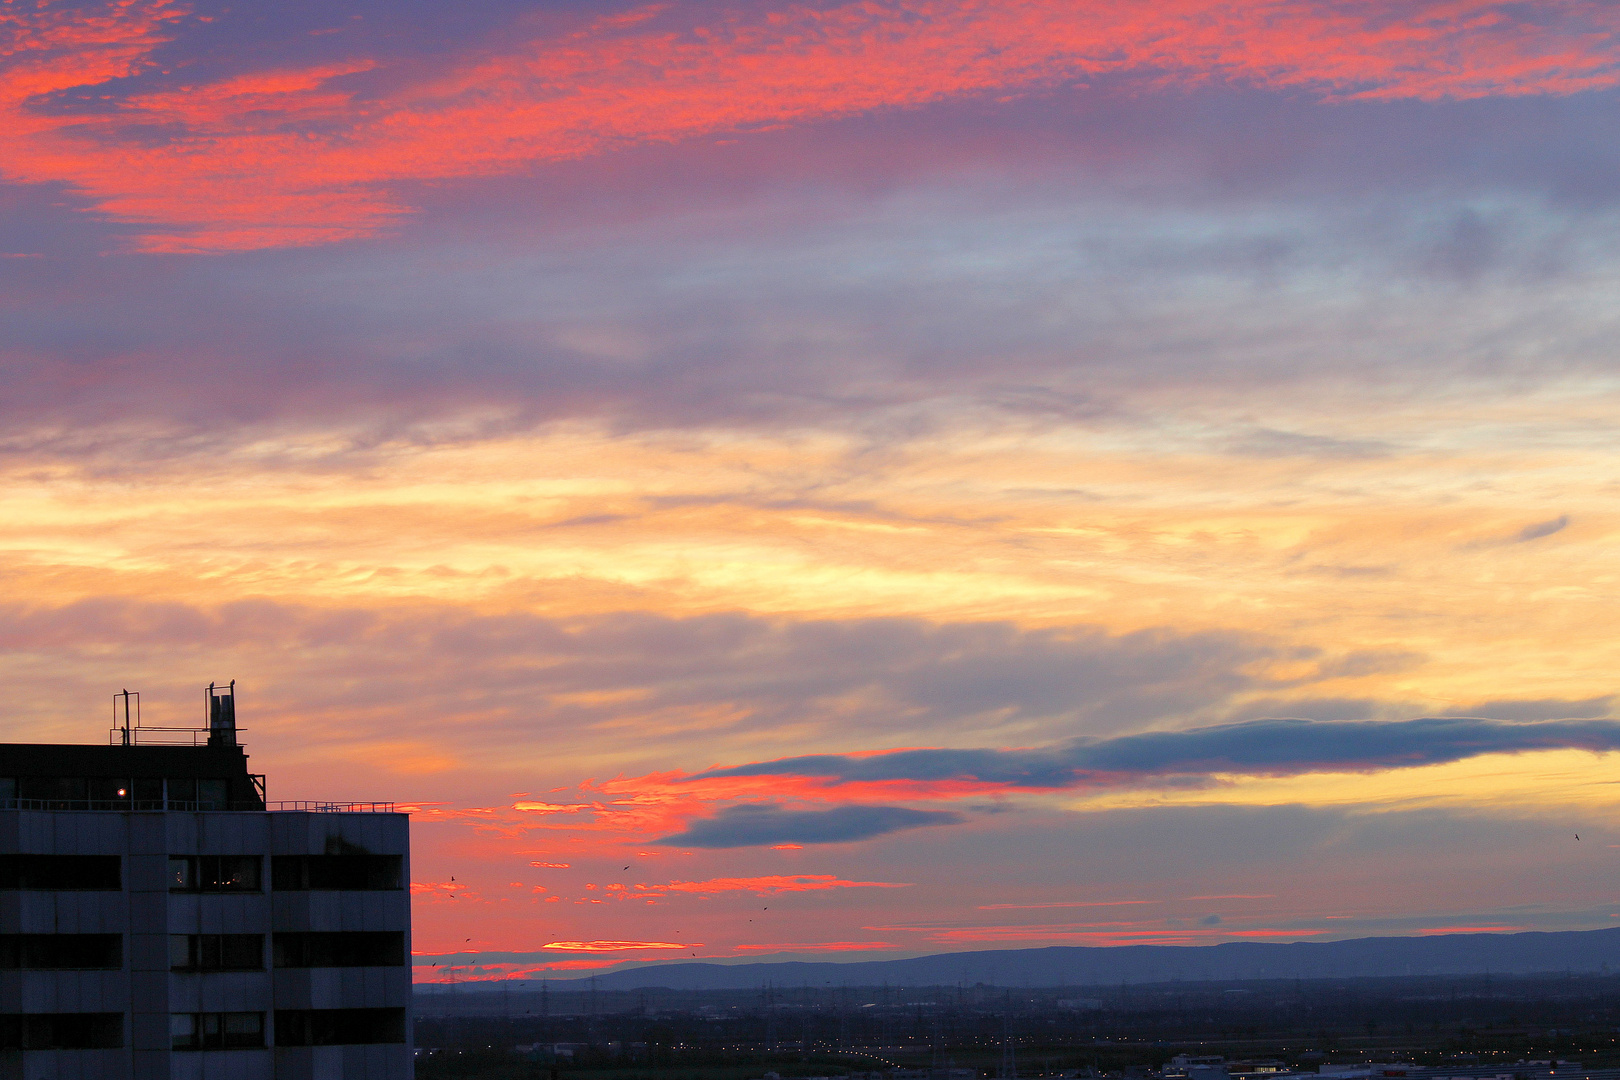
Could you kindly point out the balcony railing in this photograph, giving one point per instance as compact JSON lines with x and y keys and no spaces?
{"x":305,"y":806}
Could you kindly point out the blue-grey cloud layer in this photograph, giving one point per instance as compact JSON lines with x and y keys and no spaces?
{"x":1257,"y":747}
{"x":756,"y":826}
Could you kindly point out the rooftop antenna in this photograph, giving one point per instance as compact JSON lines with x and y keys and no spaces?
{"x":120,"y":727}
{"x":222,"y":714}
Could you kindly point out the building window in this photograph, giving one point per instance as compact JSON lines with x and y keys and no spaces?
{"x":290,"y":873}
{"x":190,"y":793}
{"x":62,"y":1031}
{"x":339,"y":1027}
{"x":53,"y":792}
{"x":360,"y":948}
{"x":216,"y":1031}
{"x":60,"y":873}
{"x":214,"y":873}
{"x":216,"y":952}
{"x":62,"y":952}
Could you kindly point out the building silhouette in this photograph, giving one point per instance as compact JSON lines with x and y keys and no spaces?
{"x":160,"y":919}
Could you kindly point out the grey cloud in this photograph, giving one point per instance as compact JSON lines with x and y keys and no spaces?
{"x":799,"y":277}
{"x":520,"y":676}
{"x":1266,"y":442}
{"x":1311,"y":709}
{"x":1256,"y":747}
{"x":1542,"y":709}
{"x":755,"y":826}
{"x":1543,"y":528}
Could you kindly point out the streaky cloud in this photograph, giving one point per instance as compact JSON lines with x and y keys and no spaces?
{"x":1257,"y":748}
{"x":754,"y":825}
{"x":315,"y":149}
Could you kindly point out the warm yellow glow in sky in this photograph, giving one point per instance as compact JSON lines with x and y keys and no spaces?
{"x":1568,"y":785}
{"x":1411,"y":549}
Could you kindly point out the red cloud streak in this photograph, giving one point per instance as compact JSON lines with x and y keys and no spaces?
{"x":777,"y":883}
{"x":295,"y":156}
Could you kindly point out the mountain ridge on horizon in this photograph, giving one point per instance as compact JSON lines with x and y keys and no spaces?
{"x":1520,"y":953}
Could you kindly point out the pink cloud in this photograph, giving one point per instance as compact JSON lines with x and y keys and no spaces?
{"x":291,"y":155}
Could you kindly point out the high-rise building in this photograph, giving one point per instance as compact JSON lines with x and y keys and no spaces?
{"x":159,"y":918}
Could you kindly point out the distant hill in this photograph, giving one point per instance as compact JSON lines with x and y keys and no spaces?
{"x":1440,"y":954}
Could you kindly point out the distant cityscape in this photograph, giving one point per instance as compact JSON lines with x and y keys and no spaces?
{"x":1481,"y":1027}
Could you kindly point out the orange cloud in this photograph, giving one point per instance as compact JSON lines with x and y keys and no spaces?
{"x":616,"y":946}
{"x":437,"y":892}
{"x":295,"y":156}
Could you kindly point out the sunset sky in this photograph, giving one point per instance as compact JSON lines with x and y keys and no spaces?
{"x":844,"y":479}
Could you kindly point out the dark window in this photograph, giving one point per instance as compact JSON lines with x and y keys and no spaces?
{"x":190,"y":793}
{"x":361,"y":948}
{"x":53,"y":789}
{"x":339,"y":1027}
{"x":109,"y":790}
{"x":62,"y":1031}
{"x":62,"y":952}
{"x":216,"y":952}
{"x":214,"y":873}
{"x":60,"y":873}
{"x":347,"y":872}
{"x":216,"y":1031}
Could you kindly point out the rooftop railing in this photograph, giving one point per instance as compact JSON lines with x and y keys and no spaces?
{"x":184,"y":806}
{"x":162,"y":736}
{"x":306,"y":806}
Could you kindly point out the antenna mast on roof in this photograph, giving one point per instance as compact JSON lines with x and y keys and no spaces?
{"x":120,"y":727}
